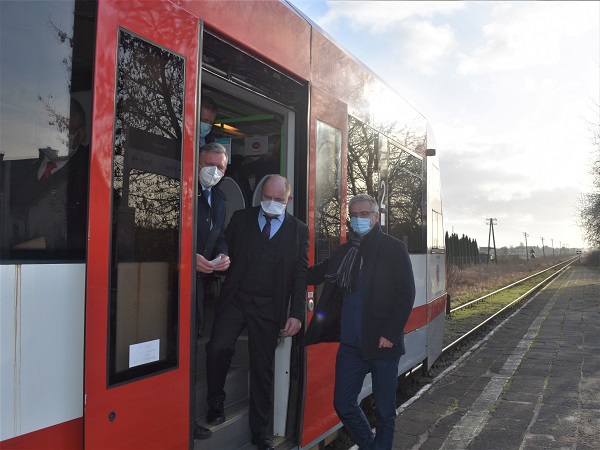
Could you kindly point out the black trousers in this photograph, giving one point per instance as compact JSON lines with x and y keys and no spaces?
{"x":263,"y":333}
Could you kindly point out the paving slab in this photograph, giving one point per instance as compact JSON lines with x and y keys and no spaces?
{"x":533,"y":383}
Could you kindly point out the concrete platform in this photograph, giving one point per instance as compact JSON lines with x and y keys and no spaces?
{"x":533,"y":383}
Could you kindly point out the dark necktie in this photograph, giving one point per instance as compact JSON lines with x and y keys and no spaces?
{"x":206,"y":195}
{"x":50,"y":165}
{"x":266,"y":231}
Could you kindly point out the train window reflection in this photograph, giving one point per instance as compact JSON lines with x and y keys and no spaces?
{"x":363,"y":159}
{"x":405,"y":198}
{"x":328,"y":210}
{"x":144,"y":303}
{"x":45,"y":101}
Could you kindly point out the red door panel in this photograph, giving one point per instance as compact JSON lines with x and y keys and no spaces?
{"x":319,"y":415}
{"x":139,"y":283}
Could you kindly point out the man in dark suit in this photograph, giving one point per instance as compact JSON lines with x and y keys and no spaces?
{"x":211,"y":247}
{"x":269,"y":251}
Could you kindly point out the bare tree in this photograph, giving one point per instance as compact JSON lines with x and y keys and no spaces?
{"x":589,"y":207}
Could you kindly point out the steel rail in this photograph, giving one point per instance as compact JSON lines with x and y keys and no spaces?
{"x":511,"y":304}
{"x":464,"y":305}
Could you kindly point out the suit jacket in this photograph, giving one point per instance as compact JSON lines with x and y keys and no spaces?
{"x":388,"y":300}
{"x":289,"y":290}
{"x":209,"y":241}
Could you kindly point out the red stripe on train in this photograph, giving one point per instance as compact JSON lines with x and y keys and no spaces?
{"x":424,"y":314}
{"x":66,"y":435}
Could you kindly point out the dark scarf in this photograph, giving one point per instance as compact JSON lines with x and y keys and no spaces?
{"x":347,"y":273}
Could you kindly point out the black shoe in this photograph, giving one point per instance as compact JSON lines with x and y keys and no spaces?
{"x":263,"y":443}
{"x":202,"y":433}
{"x":216,"y":413}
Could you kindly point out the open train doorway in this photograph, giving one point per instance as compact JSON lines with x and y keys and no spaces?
{"x":261,"y":121}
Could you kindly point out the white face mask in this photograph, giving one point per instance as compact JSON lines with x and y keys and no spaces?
{"x":209,"y":176}
{"x":272,"y":208}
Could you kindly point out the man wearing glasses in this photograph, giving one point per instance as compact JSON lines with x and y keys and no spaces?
{"x":367,"y":298}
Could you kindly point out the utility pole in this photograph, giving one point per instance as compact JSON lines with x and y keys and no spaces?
{"x":543,"y":251}
{"x":559,"y":247}
{"x":526,"y":250}
{"x":491,"y":222}
{"x":552,"y":246}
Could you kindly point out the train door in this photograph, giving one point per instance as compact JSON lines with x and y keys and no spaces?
{"x":260,"y":134}
{"x":327,"y":221}
{"x":140,"y":239}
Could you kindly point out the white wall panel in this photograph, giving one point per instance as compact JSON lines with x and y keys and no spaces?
{"x":42,"y":343}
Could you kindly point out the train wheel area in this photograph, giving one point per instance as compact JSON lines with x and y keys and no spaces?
{"x":533,"y":382}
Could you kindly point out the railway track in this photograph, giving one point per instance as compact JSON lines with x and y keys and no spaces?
{"x":467,"y":319}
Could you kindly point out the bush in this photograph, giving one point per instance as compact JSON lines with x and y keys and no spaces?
{"x":591,"y":258}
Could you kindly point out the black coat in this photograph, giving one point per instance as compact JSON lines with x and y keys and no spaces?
{"x":289,"y":290}
{"x":389,"y":295}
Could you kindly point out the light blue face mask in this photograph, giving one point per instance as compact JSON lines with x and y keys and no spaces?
{"x":360,"y":225}
{"x":205,"y":129}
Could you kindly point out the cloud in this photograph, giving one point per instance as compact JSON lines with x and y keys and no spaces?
{"x":527,"y":36}
{"x":424,"y":44}
{"x":506,"y":87}
{"x":380,"y":16}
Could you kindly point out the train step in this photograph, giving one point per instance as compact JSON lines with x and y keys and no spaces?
{"x":236,"y":388}
{"x":234,"y":433}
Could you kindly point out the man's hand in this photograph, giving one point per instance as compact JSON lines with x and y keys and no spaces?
{"x":384,"y":343}
{"x":223,"y":263}
{"x":203,"y":265}
{"x":292,"y":326}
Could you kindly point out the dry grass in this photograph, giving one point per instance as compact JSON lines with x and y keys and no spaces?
{"x":470,"y":282}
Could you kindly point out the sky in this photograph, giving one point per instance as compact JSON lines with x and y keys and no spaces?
{"x":511,"y":90}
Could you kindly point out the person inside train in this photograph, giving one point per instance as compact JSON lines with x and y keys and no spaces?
{"x":367,"y":298}
{"x":211,"y":247}
{"x":208,"y":115}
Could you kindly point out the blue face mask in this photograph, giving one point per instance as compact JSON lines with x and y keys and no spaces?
{"x":205,"y":129}
{"x":361,"y":226}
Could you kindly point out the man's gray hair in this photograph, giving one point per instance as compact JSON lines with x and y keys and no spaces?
{"x":214,"y":147}
{"x":364,"y":198}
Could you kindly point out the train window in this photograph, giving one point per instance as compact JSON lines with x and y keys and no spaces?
{"x":328,"y":209}
{"x":405,"y":197}
{"x":144,"y":305}
{"x":382,"y":168}
{"x":437,"y":231}
{"x":46,"y":61}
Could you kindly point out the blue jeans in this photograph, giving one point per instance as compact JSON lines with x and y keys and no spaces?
{"x":350,"y":372}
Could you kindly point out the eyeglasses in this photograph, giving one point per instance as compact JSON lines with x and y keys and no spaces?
{"x":361,"y":214}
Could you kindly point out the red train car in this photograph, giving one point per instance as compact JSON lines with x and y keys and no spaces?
{"x":100,"y":106}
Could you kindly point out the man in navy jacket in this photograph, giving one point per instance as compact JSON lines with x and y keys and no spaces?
{"x":367,"y":298}
{"x":211,"y":247}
